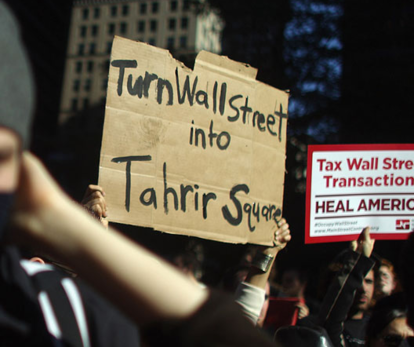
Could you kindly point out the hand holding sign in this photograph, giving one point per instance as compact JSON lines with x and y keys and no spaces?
{"x":364,"y":244}
{"x":282,"y":235}
{"x":94,"y":202}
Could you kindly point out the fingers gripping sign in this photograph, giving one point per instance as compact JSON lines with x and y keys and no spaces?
{"x":364,"y":244}
{"x":94,"y":202}
{"x":282,"y":234}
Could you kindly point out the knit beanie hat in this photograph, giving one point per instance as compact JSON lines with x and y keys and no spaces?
{"x":16,"y":83}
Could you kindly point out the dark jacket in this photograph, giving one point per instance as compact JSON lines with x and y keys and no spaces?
{"x":41,"y":305}
{"x":340,"y":295}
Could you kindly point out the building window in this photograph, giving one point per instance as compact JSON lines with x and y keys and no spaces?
{"x":109,"y":47}
{"x":89,"y":67}
{"x":74,"y":105}
{"x":171,"y":23}
{"x":85,"y":13}
{"x":173,"y":5}
{"x":111,"y":28}
{"x":186,"y":5}
{"x":114,"y":11}
{"x":83,"y":31}
{"x":76,"y":85}
{"x":141,"y":26}
{"x":81,"y":49}
{"x":92,"y":48}
{"x":105,"y":66}
{"x":143,"y":8}
{"x":96,"y":12}
{"x":125,"y":10}
{"x":155,"y":7}
{"x":170,"y":43}
{"x":151,"y":42}
{"x":184,"y":23}
{"x":183,"y":42}
{"x":85,"y":103}
{"x":78,"y":67}
{"x":123,"y":28}
{"x":88,"y":84}
{"x":104,"y":84}
{"x":153,"y":25}
{"x":94,"y":30}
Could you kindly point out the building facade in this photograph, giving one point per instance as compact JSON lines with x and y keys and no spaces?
{"x":184,"y":27}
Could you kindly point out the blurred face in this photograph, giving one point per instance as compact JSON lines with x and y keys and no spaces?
{"x":291,"y":284}
{"x":364,"y":295}
{"x":9,"y":160}
{"x":385,"y":280}
{"x":9,"y":172}
{"x":393,"y":334}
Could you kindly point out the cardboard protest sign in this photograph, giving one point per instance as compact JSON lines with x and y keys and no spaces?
{"x":198,"y":153}
{"x":350,"y":187}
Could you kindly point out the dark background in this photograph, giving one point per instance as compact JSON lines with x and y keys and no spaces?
{"x":348,"y":65}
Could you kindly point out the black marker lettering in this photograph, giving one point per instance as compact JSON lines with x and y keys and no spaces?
{"x":202,"y":98}
{"x":161,"y":84}
{"x":256,"y":211}
{"x":138,"y":86}
{"x":246,"y":110}
{"x":129,"y":160}
{"x":265,"y":212}
{"x":225,"y":210}
{"x":152,"y":200}
{"x":248,"y":209}
{"x":236,"y":117}
{"x":196,"y":186}
{"x":186,"y":91}
{"x":147,"y":82}
{"x":122,"y":65}
{"x":271,"y":120}
{"x":184,"y":191}
{"x":198,"y":133}
{"x":212,"y":135}
{"x":206,"y":199}
{"x":260,"y":120}
{"x":223,"y":93}
{"x":281,"y":116}
{"x":191,"y":133}
{"x":224,"y":146}
{"x":167,"y":191}
{"x":215,"y":98}
{"x":278,"y":213}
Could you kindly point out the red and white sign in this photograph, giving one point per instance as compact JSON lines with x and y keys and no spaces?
{"x":350,"y":187}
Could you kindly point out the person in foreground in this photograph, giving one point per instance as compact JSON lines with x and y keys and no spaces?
{"x":354,"y":265}
{"x":387,"y":326}
{"x":131,"y":277}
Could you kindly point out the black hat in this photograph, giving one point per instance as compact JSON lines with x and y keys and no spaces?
{"x":16,"y":82}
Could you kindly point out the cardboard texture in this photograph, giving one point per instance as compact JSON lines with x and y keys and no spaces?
{"x":198,"y":153}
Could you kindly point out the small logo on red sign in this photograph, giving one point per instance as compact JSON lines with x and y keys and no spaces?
{"x":402,"y":224}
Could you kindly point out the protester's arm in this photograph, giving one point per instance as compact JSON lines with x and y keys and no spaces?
{"x":141,"y":284}
{"x":257,"y":277}
{"x":250,"y":294}
{"x":339,"y":297}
